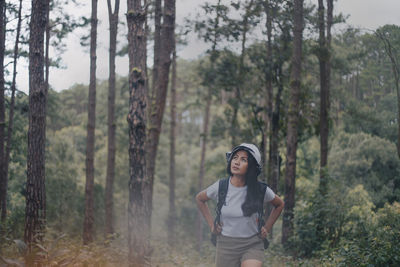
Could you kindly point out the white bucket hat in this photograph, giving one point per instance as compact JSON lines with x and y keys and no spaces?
{"x":250,"y":148}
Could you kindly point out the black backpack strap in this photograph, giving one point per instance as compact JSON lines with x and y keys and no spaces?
{"x":261,"y":222}
{"x":222,"y":191}
{"x":263,"y":189}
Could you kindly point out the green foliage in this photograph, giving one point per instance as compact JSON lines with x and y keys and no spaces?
{"x":15,"y":222}
{"x":378,"y":245}
{"x":379,"y":121}
{"x":364,"y":159}
{"x":363,"y":177}
{"x":360,"y":227}
{"x":347,"y":212}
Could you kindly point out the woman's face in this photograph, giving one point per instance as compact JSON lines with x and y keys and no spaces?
{"x":239,"y":163}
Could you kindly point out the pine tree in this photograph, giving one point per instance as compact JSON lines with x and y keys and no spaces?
{"x":35,"y":212}
{"x":88,"y":225}
{"x":293,"y":121}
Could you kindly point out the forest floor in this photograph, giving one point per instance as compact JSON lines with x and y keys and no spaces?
{"x":72,"y":253}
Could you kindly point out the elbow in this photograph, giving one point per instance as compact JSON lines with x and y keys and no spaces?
{"x":201,"y":198}
{"x":281,"y":206}
{"x":198,"y":198}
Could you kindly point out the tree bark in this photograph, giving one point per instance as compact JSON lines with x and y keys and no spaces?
{"x":11,"y":116}
{"x":172,"y":178}
{"x":3,"y":189}
{"x":157,"y":44}
{"x":269,"y":88}
{"x":293,"y":117}
{"x":157,"y":105}
{"x":324,"y":70}
{"x":269,"y":96}
{"x":203,"y":139}
{"x":213,"y":58}
{"x":109,"y":201}
{"x":140,"y":191}
{"x":35,"y":212}
{"x":274,"y":142}
{"x":47,"y":60}
{"x":88,"y":225}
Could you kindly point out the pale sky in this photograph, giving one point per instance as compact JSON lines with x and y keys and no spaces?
{"x":367,"y":14}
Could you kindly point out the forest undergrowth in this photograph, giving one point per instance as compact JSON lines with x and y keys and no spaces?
{"x":63,"y":250}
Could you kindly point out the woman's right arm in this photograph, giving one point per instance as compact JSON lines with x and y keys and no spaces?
{"x":201,"y":200}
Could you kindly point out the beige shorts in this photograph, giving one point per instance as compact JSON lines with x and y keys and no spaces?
{"x":232,"y":251}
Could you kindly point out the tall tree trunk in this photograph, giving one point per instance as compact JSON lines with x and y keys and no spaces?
{"x":47,"y":60}
{"x":88,"y":225}
{"x":213,"y":58}
{"x":293,"y":118}
{"x":161,"y":86}
{"x":11,"y":115}
{"x":235,"y":128}
{"x":324,"y":96}
{"x":140,"y":192}
{"x":172,"y":209}
{"x":274,"y":157}
{"x":3,"y":190}
{"x":35,"y":212}
{"x":324,"y":68}
{"x":109,"y":201}
{"x":269,"y":95}
{"x":269,"y":88}
{"x":274,"y":138}
{"x":204,"y":136}
{"x":398,"y":108}
{"x":157,"y":45}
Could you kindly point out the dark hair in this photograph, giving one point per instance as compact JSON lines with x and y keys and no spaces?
{"x":252,"y":201}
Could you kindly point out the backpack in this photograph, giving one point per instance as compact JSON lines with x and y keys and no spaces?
{"x":222,"y":192}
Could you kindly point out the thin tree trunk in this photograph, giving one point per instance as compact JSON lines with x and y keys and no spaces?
{"x":140,"y":192}
{"x":293,"y":118}
{"x":398,"y":113}
{"x":274,"y":143}
{"x":88,"y":225}
{"x":324,"y":67}
{"x":234,"y":127}
{"x":274,"y":157}
{"x":47,"y":61}
{"x":324,"y":94}
{"x":35,"y":212}
{"x":213,"y":58}
{"x":172,"y":209}
{"x":109,"y":201}
{"x":3,"y":189}
{"x":269,"y":88}
{"x":204,"y":137}
{"x":11,"y":114}
{"x":269,"y":120}
{"x":329,"y":23}
{"x":161,"y":86}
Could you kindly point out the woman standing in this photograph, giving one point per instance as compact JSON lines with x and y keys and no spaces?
{"x":239,"y":239}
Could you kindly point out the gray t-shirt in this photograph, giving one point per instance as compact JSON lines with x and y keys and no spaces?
{"x":234,"y":223}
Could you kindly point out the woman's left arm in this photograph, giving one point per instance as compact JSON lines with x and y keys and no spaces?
{"x":278,"y":204}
